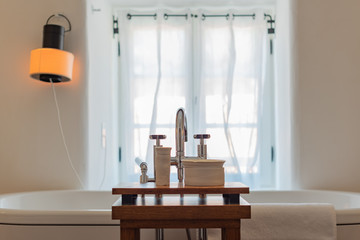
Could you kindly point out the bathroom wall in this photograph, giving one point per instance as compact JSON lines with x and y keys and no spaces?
{"x":327,"y":77}
{"x":32,"y":155}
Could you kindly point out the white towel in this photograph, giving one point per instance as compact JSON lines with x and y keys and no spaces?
{"x":287,"y":222}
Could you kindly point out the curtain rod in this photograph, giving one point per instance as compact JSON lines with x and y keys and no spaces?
{"x":203,"y":16}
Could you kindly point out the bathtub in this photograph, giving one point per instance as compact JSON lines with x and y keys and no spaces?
{"x":86,"y":215}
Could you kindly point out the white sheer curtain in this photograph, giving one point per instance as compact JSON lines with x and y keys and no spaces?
{"x":233,"y":53}
{"x":156,"y":66}
{"x":214,"y":67}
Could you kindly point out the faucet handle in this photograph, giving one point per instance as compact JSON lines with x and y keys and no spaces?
{"x":144,"y":178}
{"x":201,"y":136}
{"x":157,"y":138}
{"x":202,"y":148}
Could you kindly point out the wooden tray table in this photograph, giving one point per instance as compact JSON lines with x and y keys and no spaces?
{"x":179,"y":206}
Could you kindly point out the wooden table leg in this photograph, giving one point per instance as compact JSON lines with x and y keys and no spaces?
{"x":129,"y":233}
{"x":230,"y":233}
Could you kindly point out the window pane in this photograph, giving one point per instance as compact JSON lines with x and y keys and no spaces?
{"x":141,"y":137}
{"x":244,"y":141}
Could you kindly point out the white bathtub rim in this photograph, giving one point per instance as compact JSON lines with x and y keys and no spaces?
{"x":56,"y":217}
{"x":103,"y":216}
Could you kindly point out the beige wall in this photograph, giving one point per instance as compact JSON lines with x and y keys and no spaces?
{"x":32,"y":156}
{"x":327,"y":99}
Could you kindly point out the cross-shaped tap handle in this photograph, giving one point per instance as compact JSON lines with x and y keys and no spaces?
{"x":202,"y":149}
{"x":157,"y":138}
{"x":201,"y":137}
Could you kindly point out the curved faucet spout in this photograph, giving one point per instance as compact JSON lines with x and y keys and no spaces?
{"x":180,"y":139}
{"x":180,"y":132}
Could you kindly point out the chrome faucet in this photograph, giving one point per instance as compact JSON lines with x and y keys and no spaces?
{"x":180,"y":139}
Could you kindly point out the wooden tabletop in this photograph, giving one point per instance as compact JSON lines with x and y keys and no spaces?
{"x":179,"y":188}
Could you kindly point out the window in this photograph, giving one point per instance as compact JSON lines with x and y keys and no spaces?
{"x":218,"y":69}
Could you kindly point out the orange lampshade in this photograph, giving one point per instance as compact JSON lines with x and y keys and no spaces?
{"x":51,"y":63}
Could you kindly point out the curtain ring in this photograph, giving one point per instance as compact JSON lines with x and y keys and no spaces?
{"x":166,"y":16}
{"x":155,"y":15}
{"x":128,"y":16}
{"x":227,"y":16}
{"x":203,"y":17}
{"x":60,"y":15}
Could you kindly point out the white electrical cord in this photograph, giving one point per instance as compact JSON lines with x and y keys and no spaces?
{"x":63,"y":136}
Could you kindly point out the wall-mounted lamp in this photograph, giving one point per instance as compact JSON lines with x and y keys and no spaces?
{"x":51,"y":62}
